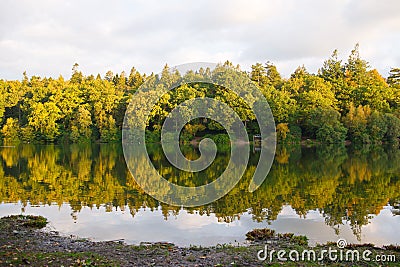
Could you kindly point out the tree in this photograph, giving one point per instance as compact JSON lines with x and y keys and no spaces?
{"x":258,"y":74}
{"x":266,"y":75}
{"x":11,"y":131}
{"x":89,"y":107}
{"x":282,"y":130}
{"x":169,"y":77}
{"x":135,"y":80}
{"x":356,"y":122}
{"x":315,"y":92}
{"x":68,"y":97}
{"x":296,"y":82}
{"x":331,"y":134}
{"x":43,"y":119}
{"x":121,"y":81}
{"x":324,"y":125}
{"x":81,"y":124}
{"x":377,"y":127}
{"x":274,"y":78}
{"x":393,"y":128}
{"x":374,"y":92}
{"x":192,"y":129}
{"x":356,"y":69}
{"x":299,"y":73}
{"x":109,"y":76}
{"x":282,"y":104}
{"x":3,"y":95}
{"x":333,"y":72}
{"x":76,"y":74}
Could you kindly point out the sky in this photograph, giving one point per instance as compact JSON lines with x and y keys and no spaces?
{"x":46,"y":37}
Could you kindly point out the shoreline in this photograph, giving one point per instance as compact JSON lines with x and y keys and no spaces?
{"x":22,"y":243}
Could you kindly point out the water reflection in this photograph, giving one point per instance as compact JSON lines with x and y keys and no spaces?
{"x":344,"y":186}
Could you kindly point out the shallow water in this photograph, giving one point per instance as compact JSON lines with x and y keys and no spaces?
{"x":325,"y":193}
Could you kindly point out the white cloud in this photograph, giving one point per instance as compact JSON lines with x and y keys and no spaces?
{"x":47,"y":37}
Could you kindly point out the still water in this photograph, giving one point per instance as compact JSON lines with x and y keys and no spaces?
{"x":325,"y":193}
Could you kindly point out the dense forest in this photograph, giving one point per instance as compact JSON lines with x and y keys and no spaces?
{"x":343,"y":101}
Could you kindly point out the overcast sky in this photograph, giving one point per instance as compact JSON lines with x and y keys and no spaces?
{"x":46,"y":37}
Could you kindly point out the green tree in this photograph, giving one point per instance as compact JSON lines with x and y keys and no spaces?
{"x":258,"y":74}
{"x":356,"y":69}
{"x":324,"y":125}
{"x":135,"y":80}
{"x":81,"y":124}
{"x":282,"y":104}
{"x":11,"y":131}
{"x":3,"y":95}
{"x":43,"y":119}
{"x":393,"y":128}
{"x":315,"y":92}
{"x":356,"y":122}
{"x":333,"y":71}
{"x":77,"y":76}
{"x":377,"y":127}
{"x":274,"y":77}
{"x":266,"y":75}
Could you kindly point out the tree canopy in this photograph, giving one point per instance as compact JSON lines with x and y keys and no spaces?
{"x":344,"y":100}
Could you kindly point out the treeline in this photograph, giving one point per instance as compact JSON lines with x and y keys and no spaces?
{"x":344,"y":100}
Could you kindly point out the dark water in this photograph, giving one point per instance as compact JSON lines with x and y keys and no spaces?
{"x":323,"y":192}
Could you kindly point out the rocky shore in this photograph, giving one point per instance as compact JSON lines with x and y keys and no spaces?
{"x":22,"y":243}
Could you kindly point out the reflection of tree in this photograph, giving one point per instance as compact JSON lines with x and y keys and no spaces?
{"x":368,"y":182}
{"x":80,"y":176}
{"x":344,"y":185}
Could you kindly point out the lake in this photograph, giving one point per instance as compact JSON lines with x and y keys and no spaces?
{"x":325,"y":193}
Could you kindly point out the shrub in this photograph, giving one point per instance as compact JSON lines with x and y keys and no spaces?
{"x":331,"y":133}
{"x":324,"y":124}
{"x":377,"y":127}
{"x":221,"y":140}
{"x":393,"y":128}
{"x":153,"y":136}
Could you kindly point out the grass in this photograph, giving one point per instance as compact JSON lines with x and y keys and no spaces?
{"x":29,"y":220}
{"x":260,"y":234}
{"x":86,"y":259}
{"x":265,"y":234}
